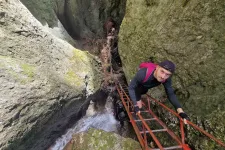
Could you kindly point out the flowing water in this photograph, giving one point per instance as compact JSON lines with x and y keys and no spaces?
{"x":100,"y":120}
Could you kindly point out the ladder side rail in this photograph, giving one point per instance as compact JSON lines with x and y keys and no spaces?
{"x":165,"y":107}
{"x":145,"y":136}
{"x":127,"y":97}
{"x":190,"y":123}
{"x":147,"y":127}
{"x":174,"y":136}
{"x":174,"y":113}
{"x":171,"y":134}
{"x":131,"y":119}
{"x":145,"y":146}
{"x":168,"y":130}
{"x":182,"y":131}
{"x":150,"y":132}
{"x":206,"y":133}
{"x":161,"y":123}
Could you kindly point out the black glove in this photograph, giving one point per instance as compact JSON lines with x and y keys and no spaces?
{"x":184,"y":116}
{"x":136,"y":109}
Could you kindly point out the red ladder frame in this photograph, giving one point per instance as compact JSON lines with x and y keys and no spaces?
{"x":141,"y":134}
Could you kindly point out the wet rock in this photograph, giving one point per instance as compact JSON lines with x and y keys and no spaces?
{"x":98,"y":139}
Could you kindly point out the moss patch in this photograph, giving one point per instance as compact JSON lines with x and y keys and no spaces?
{"x":73,"y":79}
{"x":28,"y":70}
{"x":95,"y":139}
{"x":84,"y":69}
{"x":22,"y":72}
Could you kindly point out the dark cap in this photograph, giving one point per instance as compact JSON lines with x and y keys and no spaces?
{"x":168,"y":65}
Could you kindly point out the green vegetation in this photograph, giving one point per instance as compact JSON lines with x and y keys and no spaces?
{"x":83,"y":63}
{"x":73,"y":79}
{"x":28,"y":70}
{"x":96,"y":139}
{"x":22,"y":72}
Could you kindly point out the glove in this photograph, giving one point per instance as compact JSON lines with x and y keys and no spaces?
{"x":184,"y":116}
{"x":136,"y":109}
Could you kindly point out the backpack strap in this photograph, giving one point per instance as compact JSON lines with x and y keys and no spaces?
{"x":150,"y":68}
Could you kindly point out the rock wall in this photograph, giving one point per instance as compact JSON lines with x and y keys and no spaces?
{"x":44,"y":81}
{"x":46,"y":12}
{"x":191,"y":34}
{"x":83,"y":19}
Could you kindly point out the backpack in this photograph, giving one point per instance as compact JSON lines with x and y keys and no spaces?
{"x":150,"y":68}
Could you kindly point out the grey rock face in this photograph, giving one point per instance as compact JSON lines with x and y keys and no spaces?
{"x":44,"y":81}
{"x":86,"y":18}
{"x":83,"y":19}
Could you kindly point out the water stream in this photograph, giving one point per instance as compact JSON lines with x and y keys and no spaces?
{"x":100,"y":120}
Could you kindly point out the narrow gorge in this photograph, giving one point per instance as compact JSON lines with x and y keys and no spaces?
{"x":56,"y":55}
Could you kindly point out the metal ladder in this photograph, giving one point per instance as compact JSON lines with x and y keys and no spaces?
{"x":143,"y":130}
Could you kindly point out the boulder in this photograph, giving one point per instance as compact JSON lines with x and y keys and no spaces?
{"x":191,"y":34}
{"x":44,"y":81}
{"x":95,"y":139}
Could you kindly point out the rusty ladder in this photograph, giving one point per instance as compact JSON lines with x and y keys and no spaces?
{"x":145,"y":130}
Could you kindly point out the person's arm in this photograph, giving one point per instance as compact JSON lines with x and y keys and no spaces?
{"x":171,"y":95}
{"x":138,"y":79}
{"x":173,"y":100}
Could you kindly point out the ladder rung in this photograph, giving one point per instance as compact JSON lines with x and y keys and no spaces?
{"x":168,"y":148}
{"x":159,"y":130}
{"x":146,"y":119}
{"x":141,"y":111}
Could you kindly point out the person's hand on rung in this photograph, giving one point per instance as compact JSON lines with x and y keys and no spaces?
{"x":184,"y":116}
{"x":137,"y":107}
{"x":139,"y":104}
{"x":136,"y":110}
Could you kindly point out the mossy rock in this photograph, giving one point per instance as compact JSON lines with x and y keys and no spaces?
{"x":95,"y":139}
{"x":84,"y":69}
{"x":18,"y":70}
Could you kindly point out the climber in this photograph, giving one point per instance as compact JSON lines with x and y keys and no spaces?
{"x":151,"y":75}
